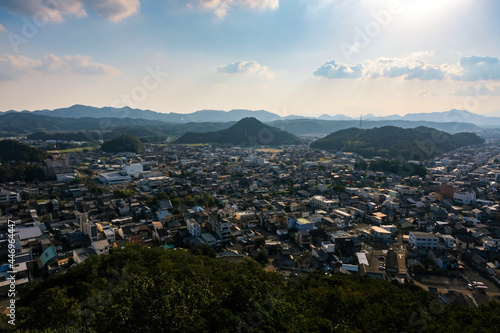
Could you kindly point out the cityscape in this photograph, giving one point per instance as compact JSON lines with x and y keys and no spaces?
{"x":249,"y":166}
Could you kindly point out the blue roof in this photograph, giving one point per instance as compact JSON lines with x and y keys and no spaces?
{"x":48,"y":254}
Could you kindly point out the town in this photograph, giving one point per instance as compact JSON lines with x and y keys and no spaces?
{"x":293,"y":209}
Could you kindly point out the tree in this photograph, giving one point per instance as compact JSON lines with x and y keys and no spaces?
{"x":204,"y":250}
{"x":262,"y":257}
{"x":123,"y":143}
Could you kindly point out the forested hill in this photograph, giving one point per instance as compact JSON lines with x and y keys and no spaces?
{"x":389,"y":141}
{"x":11,"y":150}
{"x":138,"y":289}
{"x":123,"y":143}
{"x":246,"y":132}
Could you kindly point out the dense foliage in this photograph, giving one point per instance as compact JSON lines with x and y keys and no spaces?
{"x":158,"y":132}
{"x":11,"y":150}
{"x":138,"y":289}
{"x":246,"y":132}
{"x":319,"y":126}
{"x":398,"y":168}
{"x":124,"y":143}
{"x":414,"y":144}
{"x":21,"y":171}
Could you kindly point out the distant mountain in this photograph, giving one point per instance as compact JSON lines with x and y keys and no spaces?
{"x":23,"y":123}
{"x":335,"y":117}
{"x":458,"y":116}
{"x":415,"y":144}
{"x":79,"y":111}
{"x":246,"y":132}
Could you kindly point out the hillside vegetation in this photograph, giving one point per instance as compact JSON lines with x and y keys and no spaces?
{"x":388,"y":141}
{"x":124,"y":143}
{"x":11,"y":150}
{"x":138,"y":289}
{"x":246,"y":132}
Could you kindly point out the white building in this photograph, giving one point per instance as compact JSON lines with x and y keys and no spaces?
{"x":9,"y":196}
{"x":88,"y":228}
{"x":380,"y":234}
{"x":449,"y":241}
{"x":112,"y":178}
{"x":423,"y":240}
{"x":101,"y":247}
{"x":464,"y":198}
{"x":193,"y":227}
{"x":322,"y":202}
{"x":405,"y":190}
{"x":390,"y":227}
{"x":105,"y":227}
{"x":134,"y":169}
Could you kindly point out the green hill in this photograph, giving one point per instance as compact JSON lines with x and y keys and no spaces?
{"x":138,"y":289}
{"x":246,"y":132}
{"x":124,"y":143}
{"x":11,"y":150}
{"x":389,"y":141}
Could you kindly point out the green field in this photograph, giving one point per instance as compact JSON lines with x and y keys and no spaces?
{"x":76,"y":150}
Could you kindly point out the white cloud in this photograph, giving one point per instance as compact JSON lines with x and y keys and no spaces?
{"x":221,"y":7}
{"x":409,"y":68}
{"x":334,"y":70}
{"x":113,"y":10}
{"x":245,"y":67}
{"x":55,"y":10}
{"x":415,"y":67}
{"x":476,"y":68}
{"x":45,"y":10}
{"x":16,"y":66}
{"x":2,"y":28}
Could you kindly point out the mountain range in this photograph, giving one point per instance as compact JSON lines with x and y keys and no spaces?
{"x":79,"y":111}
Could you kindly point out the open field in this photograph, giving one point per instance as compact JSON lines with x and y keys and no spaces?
{"x":76,"y":150}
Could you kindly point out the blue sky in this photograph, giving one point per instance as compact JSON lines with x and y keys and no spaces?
{"x":305,"y":57}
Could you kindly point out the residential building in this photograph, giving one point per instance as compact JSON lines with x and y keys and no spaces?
{"x":423,"y":240}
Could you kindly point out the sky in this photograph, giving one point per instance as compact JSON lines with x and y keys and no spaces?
{"x":290,"y":57}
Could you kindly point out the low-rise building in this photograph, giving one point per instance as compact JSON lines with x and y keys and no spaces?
{"x":423,"y":240}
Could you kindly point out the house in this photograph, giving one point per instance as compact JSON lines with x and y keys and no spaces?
{"x":303,"y":238}
{"x":208,"y":238}
{"x":82,"y":254}
{"x":221,"y":227}
{"x":380,"y":234}
{"x":465,"y":198}
{"x":160,"y":234}
{"x":193,"y":227}
{"x":100,"y":247}
{"x":319,"y":201}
